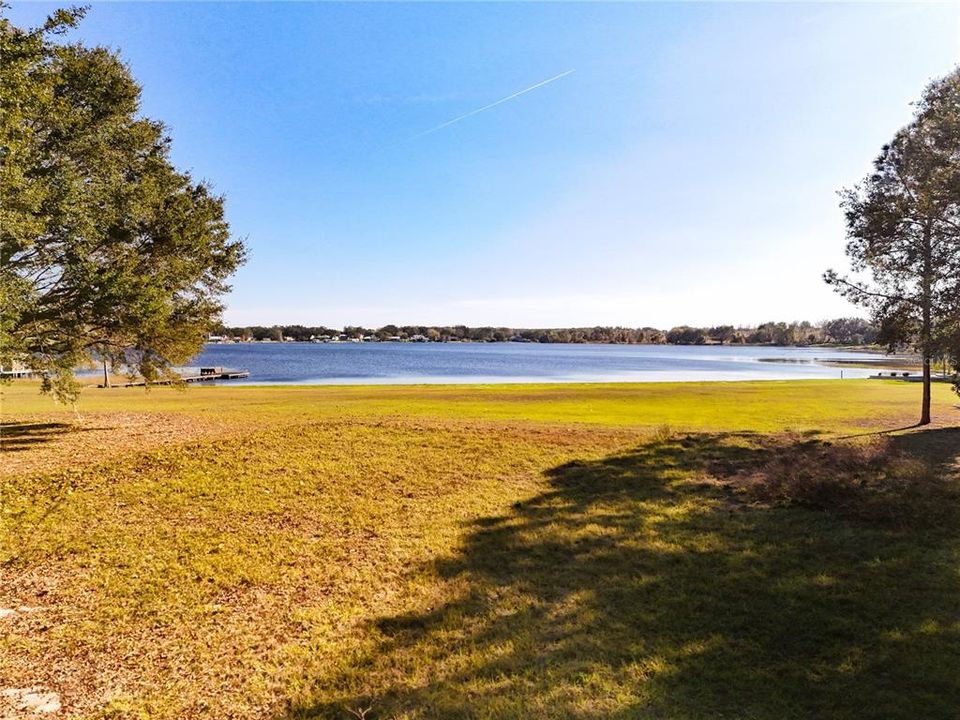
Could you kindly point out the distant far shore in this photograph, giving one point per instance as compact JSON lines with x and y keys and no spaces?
{"x":903,"y":355}
{"x":852,"y":333}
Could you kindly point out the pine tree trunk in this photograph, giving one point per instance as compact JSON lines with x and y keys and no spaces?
{"x":926,"y":331}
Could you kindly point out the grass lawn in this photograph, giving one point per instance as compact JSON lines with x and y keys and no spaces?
{"x":672,"y":551}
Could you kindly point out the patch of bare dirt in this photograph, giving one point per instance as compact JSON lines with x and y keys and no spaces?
{"x":32,"y":701}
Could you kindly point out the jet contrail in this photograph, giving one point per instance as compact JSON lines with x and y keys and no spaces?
{"x":493,"y":104}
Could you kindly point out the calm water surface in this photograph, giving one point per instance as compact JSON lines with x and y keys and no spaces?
{"x":343,"y":363}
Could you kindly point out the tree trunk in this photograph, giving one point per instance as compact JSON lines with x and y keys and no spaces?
{"x":106,"y":375}
{"x":925,"y":405}
{"x":926,"y":331}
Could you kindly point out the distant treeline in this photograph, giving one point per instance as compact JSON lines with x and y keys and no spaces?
{"x":842,"y":331}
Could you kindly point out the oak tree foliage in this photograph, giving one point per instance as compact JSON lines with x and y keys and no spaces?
{"x":106,"y":250}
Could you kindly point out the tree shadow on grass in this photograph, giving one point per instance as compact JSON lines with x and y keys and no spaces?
{"x":15,"y":436}
{"x":659,"y":583}
{"x":941,"y":447}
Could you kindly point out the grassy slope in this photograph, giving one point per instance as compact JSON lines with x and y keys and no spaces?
{"x":501,"y":552}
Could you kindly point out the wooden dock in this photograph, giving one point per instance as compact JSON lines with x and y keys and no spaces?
{"x":203,"y":374}
{"x":913,"y":377}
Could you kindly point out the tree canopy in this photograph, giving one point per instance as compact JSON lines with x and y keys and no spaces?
{"x":106,"y":249}
{"x":903,"y":231}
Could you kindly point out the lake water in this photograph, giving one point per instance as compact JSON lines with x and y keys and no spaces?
{"x":343,"y":363}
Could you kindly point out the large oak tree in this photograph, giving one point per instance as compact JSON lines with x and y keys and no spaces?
{"x":903,"y":232}
{"x":106,"y":250}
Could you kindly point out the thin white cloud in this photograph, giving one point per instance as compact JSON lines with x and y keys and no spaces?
{"x":517,"y":94}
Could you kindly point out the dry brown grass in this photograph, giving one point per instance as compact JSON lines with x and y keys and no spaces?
{"x":178,"y":580}
{"x":882,"y":478}
{"x":46,"y":442}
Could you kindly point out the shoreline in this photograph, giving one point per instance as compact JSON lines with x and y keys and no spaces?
{"x":441,"y":383}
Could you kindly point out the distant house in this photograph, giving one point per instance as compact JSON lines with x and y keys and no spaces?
{"x":16,"y":370}
{"x":419,"y":338}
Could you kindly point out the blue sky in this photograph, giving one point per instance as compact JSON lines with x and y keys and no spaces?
{"x":686,"y":172}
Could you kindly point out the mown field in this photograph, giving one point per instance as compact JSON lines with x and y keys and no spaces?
{"x":674,"y":551}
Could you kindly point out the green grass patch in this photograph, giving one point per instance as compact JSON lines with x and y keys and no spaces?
{"x":768,"y":406}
